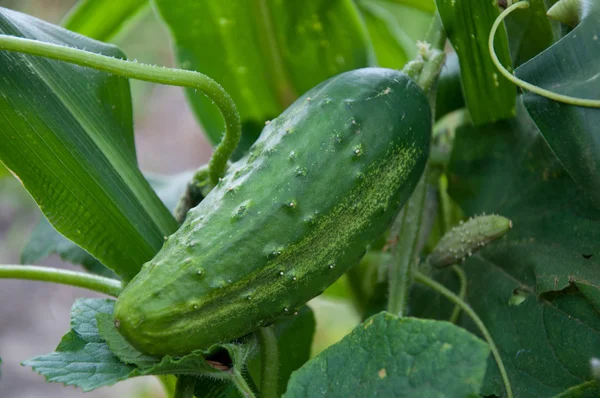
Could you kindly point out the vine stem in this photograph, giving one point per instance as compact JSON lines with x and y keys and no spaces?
{"x":406,"y":232}
{"x":426,"y":281}
{"x":238,"y":379}
{"x":72,"y":278}
{"x":149,"y":73}
{"x":185,"y":387}
{"x":462,"y":277}
{"x":523,"y":84}
{"x":269,"y":360}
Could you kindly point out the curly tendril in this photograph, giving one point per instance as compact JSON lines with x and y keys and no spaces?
{"x":589,"y":103}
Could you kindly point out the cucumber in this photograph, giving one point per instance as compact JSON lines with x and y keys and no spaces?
{"x":324,"y":180}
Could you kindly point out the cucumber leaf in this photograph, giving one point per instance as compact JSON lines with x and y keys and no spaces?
{"x":85,"y":358}
{"x":536,"y":287}
{"x":488,"y":95}
{"x":389,"y":356}
{"x":102,"y":19}
{"x":67,"y":134}
{"x":570,"y":67}
{"x":589,"y":389}
{"x":265,"y":53}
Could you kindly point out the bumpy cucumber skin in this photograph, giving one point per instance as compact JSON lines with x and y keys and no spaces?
{"x":323,"y":181}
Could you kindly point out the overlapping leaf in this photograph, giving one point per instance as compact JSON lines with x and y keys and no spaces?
{"x":391,"y":357}
{"x":67,"y":133}
{"x":550,"y":259}
{"x":571,"y":67}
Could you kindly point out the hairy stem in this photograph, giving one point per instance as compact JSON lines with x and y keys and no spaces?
{"x":462,"y":277}
{"x":523,"y":84}
{"x":238,"y":379}
{"x":72,"y":278}
{"x":426,"y":281}
{"x":185,"y":387}
{"x":405,"y":235}
{"x":149,"y":73}
{"x":269,"y":359}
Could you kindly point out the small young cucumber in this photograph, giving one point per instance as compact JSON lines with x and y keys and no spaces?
{"x":467,"y":238}
{"x":323,"y":181}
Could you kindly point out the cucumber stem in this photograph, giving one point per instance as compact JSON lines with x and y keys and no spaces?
{"x":432,"y":53}
{"x":462,"y":293}
{"x":406,"y":232}
{"x":426,"y":281}
{"x":185,"y":387}
{"x":149,"y":73}
{"x":523,"y":84}
{"x":238,"y":379}
{"x":269,"y":362}
{"x":92,"y":282}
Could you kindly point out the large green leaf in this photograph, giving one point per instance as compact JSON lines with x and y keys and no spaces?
{"x":102,"y":19}
{"x":488,"y":95}
{"x":45,"y":241}
{"x":570,"y":67}
{"x":550,"y":260}
{"x":264,"y":53}
{"x":66,"y":132}
{"x":388,"y":356}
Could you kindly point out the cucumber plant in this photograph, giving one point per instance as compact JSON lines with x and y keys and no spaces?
{"x":363,"y":141}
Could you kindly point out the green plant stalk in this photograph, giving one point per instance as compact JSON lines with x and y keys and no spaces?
{"x":185,"y":387}
{"x":406,"y":232}
{"x":462,"y":293}
{"x":238,"y":379}
{"x":523,"y":84}
{"x":149,"y":73}
{"x":426,"y":281}
{"x":92,"y":282}
{"x":269,"y":362}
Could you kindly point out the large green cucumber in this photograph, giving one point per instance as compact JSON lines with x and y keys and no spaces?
{"x":322,"y":182}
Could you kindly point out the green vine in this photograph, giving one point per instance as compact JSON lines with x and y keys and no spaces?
{"x":92,"y":282}
{"x":185,"y":387}
{"x":462,"y":293}
{"x":133,"y":70}
{"x":269,"y":359}
{"x":426,"y":281}
{"x":523,"y":84}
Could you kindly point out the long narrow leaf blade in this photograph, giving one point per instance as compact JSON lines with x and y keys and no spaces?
{"x":102,"y":19}
{"x":488,"y":95}
{"x":66,"y":132}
